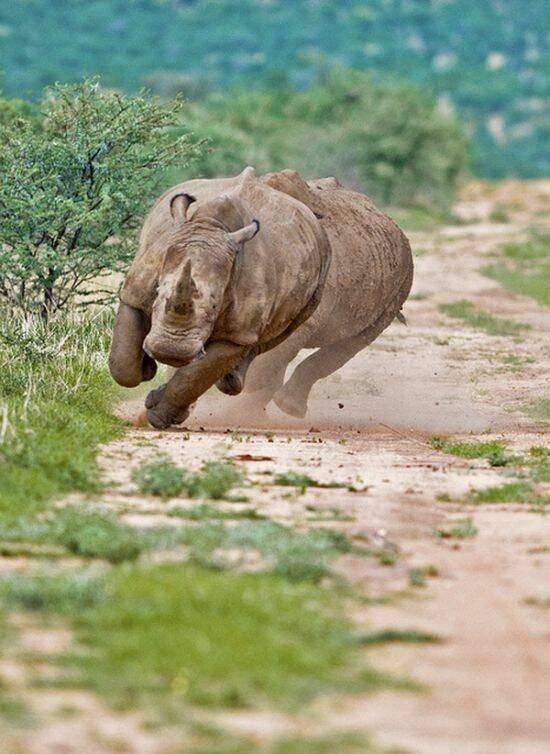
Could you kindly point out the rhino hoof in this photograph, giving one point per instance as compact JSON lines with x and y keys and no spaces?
{"x":166,"y":416}
{"x":290,"y":405}
{"x":230,"y":384}
{"x":154,"y":396}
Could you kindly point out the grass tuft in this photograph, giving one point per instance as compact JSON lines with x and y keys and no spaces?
{"x":480,"y":320}
{"x":399,"y":636}
{"x":55,"y":400}
{"x":302,"y":481}
{"x":163,"y":478}
{"x":525,"y":268}
{"x":462,"y":530}
{"x":493,"y":451}
{"x":207,"y":638}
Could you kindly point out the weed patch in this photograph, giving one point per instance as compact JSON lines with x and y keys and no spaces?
{"x":462,"y":530}
{"x":525,"y":268}
{"x":55,"y":396}
{"x":205,"y":512}
{"x":163,"y":478}
{"x":289,"y":554}
{"x":202,"y":637}
{"x":539,"y":409}
{"x":302,"y":481}
{"x":511,"y":492}
{"x":493,"y":451}
{"x":480,"y":320}
{"x":398,"y":636}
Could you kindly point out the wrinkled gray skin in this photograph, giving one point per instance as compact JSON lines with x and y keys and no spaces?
{"x":226,"y":270}
{"x":369,"y":279}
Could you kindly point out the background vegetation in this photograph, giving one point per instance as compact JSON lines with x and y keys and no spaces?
{"x":485,"y":60}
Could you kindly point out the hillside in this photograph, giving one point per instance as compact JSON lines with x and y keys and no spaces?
{"x":485,"y":60}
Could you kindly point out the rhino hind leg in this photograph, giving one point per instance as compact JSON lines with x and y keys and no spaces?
{"x":293,"y":397}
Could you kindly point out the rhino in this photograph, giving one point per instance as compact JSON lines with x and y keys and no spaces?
{"x":369,"y":279}
{"x":226,"y":269}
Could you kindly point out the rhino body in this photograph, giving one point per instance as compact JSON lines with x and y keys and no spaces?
{"x":226,"y":269}
{"x":369,"y":279}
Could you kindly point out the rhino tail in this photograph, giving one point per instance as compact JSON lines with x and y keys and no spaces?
{"x":401,"y":318}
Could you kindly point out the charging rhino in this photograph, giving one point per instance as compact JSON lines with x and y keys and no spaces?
{"x":226,"y":269}
{"x":369,"y":279}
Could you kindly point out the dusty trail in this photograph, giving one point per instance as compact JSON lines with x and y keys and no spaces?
{"x":488,"y":682}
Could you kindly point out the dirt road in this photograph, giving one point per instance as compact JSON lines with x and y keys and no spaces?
{"x":487,"y":682}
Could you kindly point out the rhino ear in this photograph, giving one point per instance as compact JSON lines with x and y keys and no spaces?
{"x":245,"y":234}
{"x":179,"y":204}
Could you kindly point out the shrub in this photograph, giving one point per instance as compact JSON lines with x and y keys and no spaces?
{"x":387,"y":138}
{"x":73,"y":190}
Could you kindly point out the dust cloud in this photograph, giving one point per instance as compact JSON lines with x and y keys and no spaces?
{"x":380,"y":386}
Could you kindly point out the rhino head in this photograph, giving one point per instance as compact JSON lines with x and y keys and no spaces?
{"x":194,"y":277}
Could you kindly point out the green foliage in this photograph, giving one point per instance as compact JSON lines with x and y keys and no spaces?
{"x":539,"y":409}
{"x":93,"y":534}
{"x":463,"y":530}
{"x":295,"y":479}
{"x":525,"y":268}
{"x":345,"y":743}
{"x":163,"y":478}
{"x":158,"y":632}
{"x":486,"y":60}
{"x":74,"y":190}
{"x":55,"y":399}
{"x":398,"y":636}
{"x":206,"y":512}
{"x":387,"y":138}
{"x":480,"y":320}
{"x":59,"y":594}
{"x":511,"y":492}
{"x":289,"y":554}
{"x":493,"y":451}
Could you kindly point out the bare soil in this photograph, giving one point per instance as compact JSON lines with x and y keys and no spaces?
{"x":487,"y":684}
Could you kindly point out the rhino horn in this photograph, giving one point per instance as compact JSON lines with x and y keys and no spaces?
{"x":179,"y":204}
{"x":183,"y":289}
{"x":245,"y":234}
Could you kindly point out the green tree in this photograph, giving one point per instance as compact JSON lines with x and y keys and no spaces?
{"x":73,"y":190}
{"x":387,"y":138}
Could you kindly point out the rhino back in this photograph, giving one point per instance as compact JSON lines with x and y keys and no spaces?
{"x":371,"y":264}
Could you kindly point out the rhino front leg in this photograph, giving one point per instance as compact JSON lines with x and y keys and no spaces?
{"x":170,"y":403}
{"x":232,"y":383}
{"x":128,"y":363}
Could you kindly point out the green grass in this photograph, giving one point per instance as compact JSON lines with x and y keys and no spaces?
{"x":463,"y":530}
{"x":52,"y":593}
{"x":206,"y":512}
{"x":525,"y":268}
{"x":302,"y":481}
{"x":92,"y":534}
{"x":510,"y":492}
{"x":537,"y":601}
{"x":539,"y":409}
{"x":286,"y":553}
{"x":538,"y":463}
{"x":399,"y":636}
{"x":207,"y":638}
{"x":339,"y":743}
{"x":55,"y":397}
{"x":163,"y":478}
{"x":418,"y":219}
{"x":481,"y":320}
{"x":493,"y":451}
{"x":499,"y":214}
